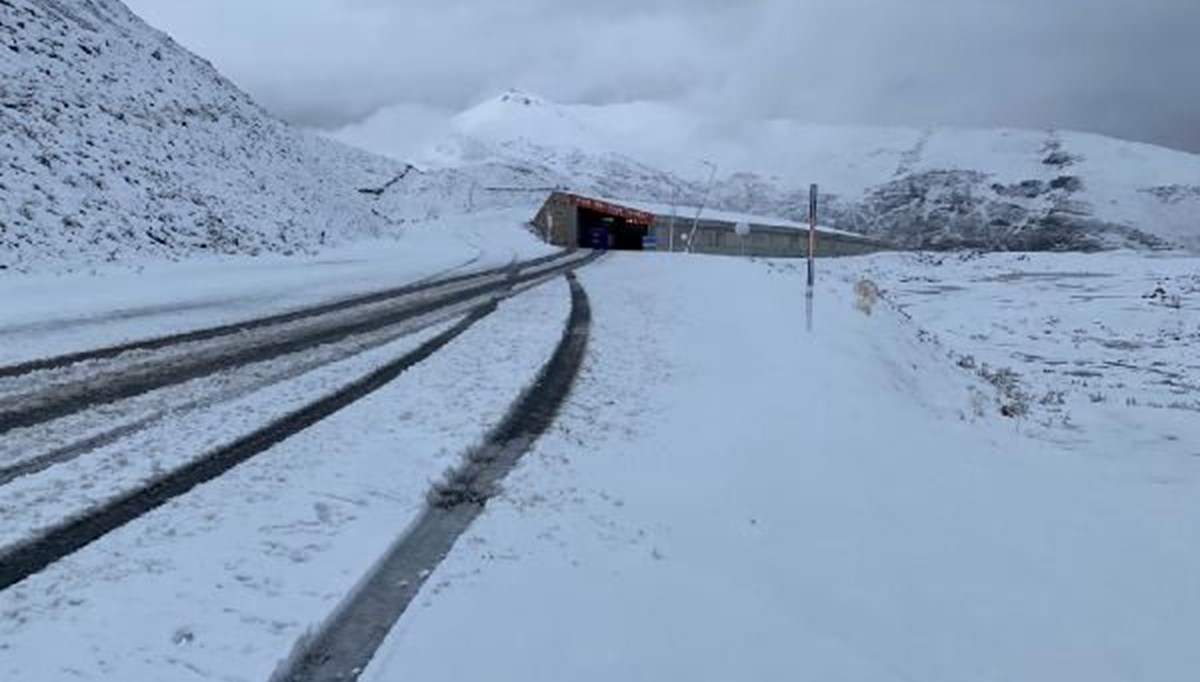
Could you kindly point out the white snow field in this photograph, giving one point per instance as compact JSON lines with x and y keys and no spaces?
{"x":1098,"y":351}
{"x":731,"y":497}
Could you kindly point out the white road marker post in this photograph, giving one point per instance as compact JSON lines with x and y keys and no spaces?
{"x":742,"y":230}
{"x":812,"y":247}
{"x":712,"y":178}
{"x":674,"y":212}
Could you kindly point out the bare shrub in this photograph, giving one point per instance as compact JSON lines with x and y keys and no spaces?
{"x":1054,"y":398}
{"x":1014,"y":402}
{"x":866,"y":295}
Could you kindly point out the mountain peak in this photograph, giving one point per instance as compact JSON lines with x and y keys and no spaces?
{"x":522,"y":98}
{"x":515,"y":114}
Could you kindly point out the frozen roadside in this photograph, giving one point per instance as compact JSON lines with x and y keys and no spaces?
{"x":198,"y":587}
{"x":728,"y":497}
{"x":1095,"y":353}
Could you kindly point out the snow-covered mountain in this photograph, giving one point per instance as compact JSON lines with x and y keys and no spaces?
{"x":1004,"y":189}
{"x":116,"y":144}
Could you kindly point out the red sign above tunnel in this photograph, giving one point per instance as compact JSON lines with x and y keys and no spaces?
{"x":632,"y":215}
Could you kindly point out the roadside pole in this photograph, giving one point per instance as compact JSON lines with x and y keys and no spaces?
{"x":674,"y":211}
{"x":712,"y":178}
{"x":812,"y":246}
{"x":742,"y":230}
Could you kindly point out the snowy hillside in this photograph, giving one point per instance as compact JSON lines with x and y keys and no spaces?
{"x":980,"y":188}
{"x":119,"y":141}
{"x":118,"y":144}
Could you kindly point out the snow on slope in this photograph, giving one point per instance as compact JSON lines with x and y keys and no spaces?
{"x":947,"y":187}
{"x":1095,"y":350}
{"x":116,"y":142}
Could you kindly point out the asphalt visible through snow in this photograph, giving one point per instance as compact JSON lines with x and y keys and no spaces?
{"x":35,"y":554}
{"x":231,"y":347}
{"x":342,"y":650}
{"x":156,"y":343}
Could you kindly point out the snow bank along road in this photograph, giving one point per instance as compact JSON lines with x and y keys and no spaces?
{"x":85,"y":405}
{"x":727,"y":496}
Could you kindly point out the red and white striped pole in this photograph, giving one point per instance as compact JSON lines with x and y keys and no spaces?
{"x":812,"y":249}
{"x":812,"y":234}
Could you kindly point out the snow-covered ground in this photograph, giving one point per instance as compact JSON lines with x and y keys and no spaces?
{"x":729,"y":496}
{"x":1097,"y":350}
{"x":726,"y":495}
{"x":222,"y":583}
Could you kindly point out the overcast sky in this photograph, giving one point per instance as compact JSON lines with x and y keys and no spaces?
{"x":1129,"y":68}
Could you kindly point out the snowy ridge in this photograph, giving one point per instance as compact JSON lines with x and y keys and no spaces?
{"x":120,"y":146}
{"x":1001,"y":189}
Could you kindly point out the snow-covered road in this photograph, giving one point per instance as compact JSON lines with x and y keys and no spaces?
{"x":223,"y":582}
{"x":731,"y":497}
{"x":73,"y":468}
{"x":726,"y":494}
{"x":44,"y":315}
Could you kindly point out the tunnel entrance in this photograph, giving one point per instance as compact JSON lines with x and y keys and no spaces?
{"x":602,"y":231}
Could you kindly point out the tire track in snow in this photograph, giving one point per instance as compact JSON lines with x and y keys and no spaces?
{"x":205,"y":334}
{"x":64,"y":399}
{"x":33,"y":462}
{"x":342,"y":649}
{"x":32,"y":556}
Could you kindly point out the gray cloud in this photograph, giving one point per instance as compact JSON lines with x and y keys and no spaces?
{"x":1120,"y":67}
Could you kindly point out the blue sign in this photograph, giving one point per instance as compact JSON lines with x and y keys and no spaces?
{"x":650,"y":242}
{"x":598,"y":237}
